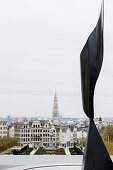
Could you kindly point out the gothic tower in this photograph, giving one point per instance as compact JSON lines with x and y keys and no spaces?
{"x":55,"y":118}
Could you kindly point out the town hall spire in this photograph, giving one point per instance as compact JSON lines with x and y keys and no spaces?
{"x":55,"y":118}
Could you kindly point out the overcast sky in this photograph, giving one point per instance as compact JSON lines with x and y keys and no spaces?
{"x":40,"y":45}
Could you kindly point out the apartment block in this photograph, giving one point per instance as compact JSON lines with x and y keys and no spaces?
{"x":3,"y":129}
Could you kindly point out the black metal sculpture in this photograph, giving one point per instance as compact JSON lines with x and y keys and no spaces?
{"x":96,"y":156}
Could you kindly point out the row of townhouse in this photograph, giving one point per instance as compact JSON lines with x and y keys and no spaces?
{"x":37,"y":133}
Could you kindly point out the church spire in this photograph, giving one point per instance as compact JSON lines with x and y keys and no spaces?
{"x":55,"y":110}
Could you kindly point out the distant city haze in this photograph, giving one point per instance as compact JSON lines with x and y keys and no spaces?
{"x":40,"y":45}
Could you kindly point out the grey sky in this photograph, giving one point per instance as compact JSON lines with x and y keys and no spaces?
{"x":40,"y":44}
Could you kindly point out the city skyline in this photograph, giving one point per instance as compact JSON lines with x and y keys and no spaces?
{"x":40,"y":51}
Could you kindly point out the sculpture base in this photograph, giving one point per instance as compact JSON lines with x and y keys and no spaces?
{"x":96,"y":156}
{"x":51,"y":145}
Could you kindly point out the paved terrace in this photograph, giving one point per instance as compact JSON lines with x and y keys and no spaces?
{"x":42,"y":162}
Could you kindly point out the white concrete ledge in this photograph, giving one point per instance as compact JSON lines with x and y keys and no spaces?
{"x":48,"y":167}
{"x":42,"y":162}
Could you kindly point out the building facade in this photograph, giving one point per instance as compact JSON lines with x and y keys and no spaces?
{"x":65,"y":137}
{"x":3,"y":129}
{"x":36,"y":133}
{"x":11,"y":130}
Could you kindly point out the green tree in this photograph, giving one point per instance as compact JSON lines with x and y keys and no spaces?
{"x":75,"y":150}
{"x":83,"y":142}
{"x":108,"y":133}
{"x":6,"y":143}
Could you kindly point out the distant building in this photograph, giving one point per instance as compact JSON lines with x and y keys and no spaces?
{"x":65,"y":137}
{"x":75,"y":133}
{"x":81,"y":134}
{"x":100,"y":125}
{"x":3,"y":129}
{"x":55,"y":118}
{"x":11,"y":130}
{"x":36,"y":133}
{"x":9,"y":118}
